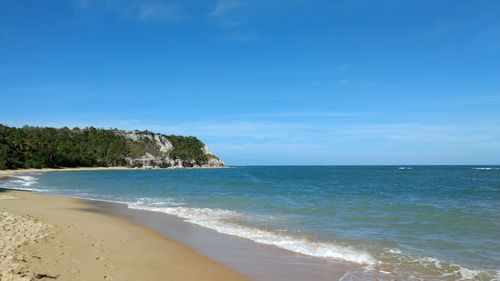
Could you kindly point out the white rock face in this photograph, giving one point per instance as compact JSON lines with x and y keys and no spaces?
{"x":207,"y":150}
{"x":215,"y":163}
{"x":149,"y":160}
{"x":162,"y":142}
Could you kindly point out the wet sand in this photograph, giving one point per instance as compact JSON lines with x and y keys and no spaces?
{"x":256,"y":261}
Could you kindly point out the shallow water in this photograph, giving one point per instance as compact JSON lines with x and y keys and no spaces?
{"x":411,"y":223}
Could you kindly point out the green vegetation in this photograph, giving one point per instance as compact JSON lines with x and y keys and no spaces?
{"x":187,"y":148}
{"x":34,"y":147}
{"x":138,"y":148}
{"x":40,"y":147}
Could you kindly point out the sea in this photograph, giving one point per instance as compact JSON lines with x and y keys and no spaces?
{"x":402,"y":222}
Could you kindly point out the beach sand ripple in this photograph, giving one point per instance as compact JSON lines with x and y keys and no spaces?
{"x":17,"y":231}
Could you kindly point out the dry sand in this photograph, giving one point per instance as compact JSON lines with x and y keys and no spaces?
{"x":55,"y":238}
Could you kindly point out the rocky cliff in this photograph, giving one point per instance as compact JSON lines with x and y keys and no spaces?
{"x":153,"y":150}
{"x":45,"y":147}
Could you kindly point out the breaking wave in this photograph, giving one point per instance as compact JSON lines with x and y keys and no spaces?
{"x":486,"y":168}
{"x":22,"y":182}
{"x":219,"y":220}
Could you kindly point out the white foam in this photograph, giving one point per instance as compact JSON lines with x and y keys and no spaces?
{"x":27,"y":189}
{"x":157,"y":202}
{"x":26,"y":178}
{"x":22,"y":182}
{"x":486,"y":168}
{"x":497,"y":276}
{"x":218,"y":220}
{"x":467,"y":274}
{"x":395,"y":251}
{"x":405,"y":168}
{"x":447,"y":270}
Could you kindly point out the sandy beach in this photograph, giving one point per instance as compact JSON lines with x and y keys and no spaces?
{"x":7,"y":173}
{"x":55,"y":238}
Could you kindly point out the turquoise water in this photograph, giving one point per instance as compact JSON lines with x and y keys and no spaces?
{"x":410,"y":223}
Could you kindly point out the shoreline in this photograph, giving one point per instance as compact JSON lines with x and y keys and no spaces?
{"x":71,"y":239}
{"x":8,"y":173}
{"x":257,"y":261}
{"x":248,"y":259}
{"x":254,"y":260}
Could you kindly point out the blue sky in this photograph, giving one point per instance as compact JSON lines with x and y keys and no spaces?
{"x":265,"y":82}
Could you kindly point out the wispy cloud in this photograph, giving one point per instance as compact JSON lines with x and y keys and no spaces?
{"x":159,"y":12}
{"x":225,"y":7}
{"x":231,"y":14}
{"x":232,"y":17}
{"x":143,"y":10}
{"x":298,"y":142}
{"x":301,"y":114}
{"x":418,"y":132}
{"x":224,"y":12}
{"x":289,"y":131}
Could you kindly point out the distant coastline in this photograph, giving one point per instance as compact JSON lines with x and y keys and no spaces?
{"x":8,"y":173}
{"x":45,"y":147}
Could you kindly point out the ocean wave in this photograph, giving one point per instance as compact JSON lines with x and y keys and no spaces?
{"x":26,"y":188}
{"x":430,"y":268}
{"x":486,"y":168}
{"x":391,"y":264}
{"x":218,"y":220}
{"x":22,"y":182}
{"x":394,"y":264}
{"x":405,"y":168}
{"x":156,"y":202}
